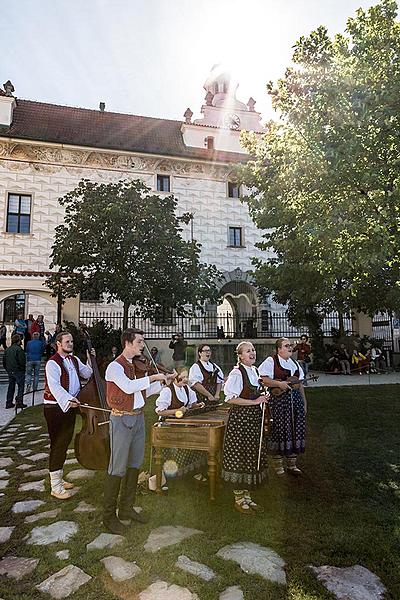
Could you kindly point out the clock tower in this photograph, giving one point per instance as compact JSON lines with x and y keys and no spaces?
{"x":224,"y":116}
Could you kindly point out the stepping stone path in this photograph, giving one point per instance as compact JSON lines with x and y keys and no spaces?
{"x":168,"y":535}
{"x":3,"y":484}
{"x":24,"y":467}
{"x":39,"y":456}
{"x":24,"y":452}
{"x":105,"y":540}
{"x":5,"y":534}
{"x":80,"y":474}
{"x":83,"y":507}
{"x":60,"y":531}
{"x":62,"y":554}
{"x":65,"y":582}
{"x":32,"y":486}
{"x":120,"y":569}
{"x":17,"y":567}
{"x":6,"y":462}
{"x":195,"y":568}
{"x":232,"y":593}
{"x":48,"y":514}
{"x":355,"y":583}
{"x":4,"y":473}
{"x":26,"y":506}
{"x":161,"y":590}
{"x":254,"y":558}
{"x":37,"y":473}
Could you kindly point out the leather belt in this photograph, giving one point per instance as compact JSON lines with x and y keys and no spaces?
{"x":121,"y":413}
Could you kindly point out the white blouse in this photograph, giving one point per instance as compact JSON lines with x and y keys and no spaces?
{"x":164,"y":400}
{"x":115,"y":373}
{"x":234,"y":383}
{"x":266,"y":369}
{"x":196,"y":376}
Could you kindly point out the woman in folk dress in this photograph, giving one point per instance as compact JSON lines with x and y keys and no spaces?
{"x":179,"y":397}
{"x":243,"y":431}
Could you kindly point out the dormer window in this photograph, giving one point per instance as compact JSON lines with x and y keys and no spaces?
{"x":209,"y":142}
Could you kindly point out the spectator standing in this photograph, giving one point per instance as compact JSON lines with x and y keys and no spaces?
{"x":3,"y":336}
{"x":38,"y":326}
{"x":34,"y":351}
{"x":303,"y":349}
{"x":155,"y":354}
{"x":14,"y":362}
{"x":344,"y":358}
{"x":178,"y":344}
{"x":28,"y":331}
{"x":20,"y":326}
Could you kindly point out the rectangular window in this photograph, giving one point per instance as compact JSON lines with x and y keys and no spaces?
{"x":163,"y":183}
{"x":235,"y":237}
{"x":19,"y":213}
{"x":233,"y":190}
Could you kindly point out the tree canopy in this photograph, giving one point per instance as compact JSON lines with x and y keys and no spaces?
{"x":124,"y":241}
{"x":325,"y":177}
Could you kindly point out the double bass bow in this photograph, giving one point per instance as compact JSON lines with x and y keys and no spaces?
{"x":92,"y":443}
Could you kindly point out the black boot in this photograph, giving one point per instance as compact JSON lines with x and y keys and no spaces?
{"x":111,"y":491}
{"x":128,"y":495}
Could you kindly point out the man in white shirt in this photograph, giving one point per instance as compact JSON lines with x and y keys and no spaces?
{"x":63,"y":376}
{"x":128,"y":385}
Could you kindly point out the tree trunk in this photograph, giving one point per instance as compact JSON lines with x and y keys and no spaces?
{"x":341,"y":325}
{"x":59,"y":308}
{"x":125,"y":318}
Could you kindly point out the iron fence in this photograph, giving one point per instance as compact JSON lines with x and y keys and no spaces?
{"x":265,"y":324}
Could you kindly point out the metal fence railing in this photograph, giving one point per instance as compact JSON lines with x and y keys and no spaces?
{"x":265,"y":324}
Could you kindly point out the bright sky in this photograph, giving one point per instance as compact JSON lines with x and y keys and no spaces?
{"x":151,"y":57}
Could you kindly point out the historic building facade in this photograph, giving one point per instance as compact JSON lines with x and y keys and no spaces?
{"x":45,"y":150}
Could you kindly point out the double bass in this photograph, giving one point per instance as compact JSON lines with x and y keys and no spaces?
{"x":92,"y":443}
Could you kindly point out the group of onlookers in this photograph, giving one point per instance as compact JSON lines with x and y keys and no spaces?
{"x":344,"y":362}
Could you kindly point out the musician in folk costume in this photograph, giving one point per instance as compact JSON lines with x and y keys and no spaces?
{"x":244,"y":438}
{"x":205,"y":377}
{"x":178,"y":398}
{"x":127,"y":390}
{"x":63,"y":375}
{"x":288,"y":410}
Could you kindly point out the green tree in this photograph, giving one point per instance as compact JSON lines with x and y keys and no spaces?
{"x":325,"y":177}
{"x":120,"y":239}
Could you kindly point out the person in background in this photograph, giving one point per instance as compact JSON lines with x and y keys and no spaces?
{"x":178,"y":344}
{"x":51,"y":345}
{"x":3,"y":336}
{"x":303,"y":349}
{"x":28,"y":333}
{"x":38,"y":326}
{"x":20,"y":326}
{"x":34,"y":352}
{"x":344,"y":359}
{"x":155,"y":355}
{"x":14,"y":362}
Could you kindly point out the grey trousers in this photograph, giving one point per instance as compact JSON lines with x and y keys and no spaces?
{"x":127,"y":436}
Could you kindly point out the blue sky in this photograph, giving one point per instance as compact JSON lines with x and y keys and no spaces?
{"x":151,"y":57}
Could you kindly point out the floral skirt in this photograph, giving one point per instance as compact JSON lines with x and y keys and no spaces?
{"x":241,"y":447}
{"x":288,"y":431}
{"x":179,"y":461}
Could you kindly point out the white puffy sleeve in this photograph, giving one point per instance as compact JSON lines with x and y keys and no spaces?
{"x":195,"y":375}
{"x":266,"y":369}
{"x":164,"y":400}
{"x":233,"y":385}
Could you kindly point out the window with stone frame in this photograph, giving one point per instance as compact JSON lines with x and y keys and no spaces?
{"x":233,"y":189}
{"x":163,"y":183}
{"x":235,"y":237}
{"x":19,"y":213}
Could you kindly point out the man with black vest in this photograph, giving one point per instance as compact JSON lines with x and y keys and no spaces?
{"x":128,"y":385}
{"x":63,"y":374}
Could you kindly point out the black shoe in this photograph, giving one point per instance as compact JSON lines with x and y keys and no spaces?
{"x":10,"y":405}
{"x":111,"y":492}
{"x":128,"y":495}
{"x":132,"y":515}
{"x":22,"y":405}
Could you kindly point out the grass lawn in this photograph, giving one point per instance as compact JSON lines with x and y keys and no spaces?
{"x":344,"y":511}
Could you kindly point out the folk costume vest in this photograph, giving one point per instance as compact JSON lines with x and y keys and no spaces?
{"x":249,"y":391}
{"x":64,"y":378}
{"x":282,"y":374}
{"x":209,"y":380}
{"x":118,"y":399}
{"x":176,"y":404}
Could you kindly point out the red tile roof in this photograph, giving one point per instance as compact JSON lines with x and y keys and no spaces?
{"x":114,"y":131}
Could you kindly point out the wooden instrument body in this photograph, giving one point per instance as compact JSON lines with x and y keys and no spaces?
{"x":294,"y":383}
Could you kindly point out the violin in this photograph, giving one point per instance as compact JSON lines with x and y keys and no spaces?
{"x":144,"y":364}
{"x":294,"y":384}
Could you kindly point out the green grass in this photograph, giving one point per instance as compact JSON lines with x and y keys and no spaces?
{"x":344,"y":511}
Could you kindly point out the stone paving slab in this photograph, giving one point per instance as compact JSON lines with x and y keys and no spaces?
{"x":195,"y":568}
{"x":24,"y":452}
{"x":350,"y":583}
{"x":71,"y":461}
{"x":38,"y":456}
{"x":17,"y":567}
{"x":5,"y":534}
{"x":37,"y":472}
{"x":26,"y":506}
{"x":84,"y":507}
{"x":62,"y":554}
{"x":60,"y":531}
{"x":4,"y":474}
{"x":232,"y":593}
{"x":48,"y":514}
{"x":65,"y":582}
{"x":254,"y":558}
{"x":3,"y":484}
{"x":80,"y":474}
{"x":161,"y":590}
{"x":120,"y":569}
{"x":6,"y":462}
{"x":105,"y":540}
{"x":32,"y":486}
{"x":167,"y":535}
{"x":24,"y":467}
